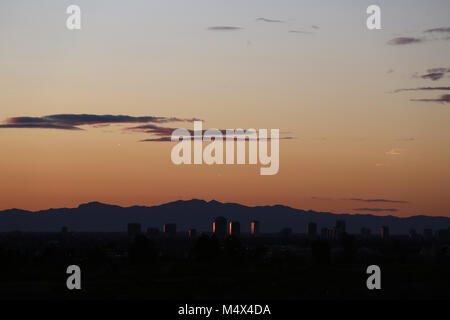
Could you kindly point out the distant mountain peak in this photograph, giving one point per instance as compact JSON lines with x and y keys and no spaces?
{"x":95,"y":205}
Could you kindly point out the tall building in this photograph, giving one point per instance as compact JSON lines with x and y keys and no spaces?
{"x":170,"y":228}
{"x":234,"y":228}
{"x":286,"y":232}
{"x":324,"y":233}
{"x":428,"y":233}
{"x":254,"y":228}
{"x":220,"y":227}
{"x":365,"y":232}
{"x":384,"y":232}
{"x":152,"y":232}
{"x":192,"y":233}
{"x":311,"y":229}
{"x":413,"y":234}
{"x":340,"y":226}
{"x":134,"y":229}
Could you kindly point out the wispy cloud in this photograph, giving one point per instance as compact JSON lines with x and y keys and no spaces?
{"x":380,"y":164}
{"x":376,"y":209}
{"x":376,"y":200}
{"x":393,"y":152}
{"x":441,"y":33}
{"x":433,"y":74}
{"x":438,"y":30}
{"x":164,"y":134}
{"x":223,"y":28}
{"x":74,"y":121}
{"x":442,"y":99}
{"x":423,"y":89}
{"x":300,"y":31}
{"x":404,"y":40}
{"x":367,"y":200}
{"x":269,"y":20}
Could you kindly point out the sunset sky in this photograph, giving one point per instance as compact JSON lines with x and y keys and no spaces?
{"x":358,"y":143}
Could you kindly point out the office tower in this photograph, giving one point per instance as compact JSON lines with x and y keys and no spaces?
{"x":428,"y":233}
{"x":365,"y":232}
{"x":311,"y":229}
{"x":234,"y":228}
{"x":324,"y":233}
{"x":413,"y":234}
{"x":340,"y":226}
{"x":134,"y":229}
{"x":384,"y":232}
{"x":192,"y":233}
{"x":170,"y":228}
{"x":220,"y":227}
{"x":286,"y":232}
{"x":152,"y":232}
{"x":254,"y":228}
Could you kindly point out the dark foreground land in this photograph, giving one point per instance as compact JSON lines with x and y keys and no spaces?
{"x":113,"y":265}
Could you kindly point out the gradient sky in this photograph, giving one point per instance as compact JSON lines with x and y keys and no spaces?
{"x":358,"y":146}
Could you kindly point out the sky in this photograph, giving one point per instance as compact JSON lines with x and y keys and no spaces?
{"x":353,"y":139}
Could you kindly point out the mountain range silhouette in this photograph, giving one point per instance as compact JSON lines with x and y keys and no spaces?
{"x":199,"y":214}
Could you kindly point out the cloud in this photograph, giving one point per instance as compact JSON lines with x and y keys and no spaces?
{"x":300,"y":31}
{"x":393,"y":152}
{"x":379,"y":164}
{"x":438,"y":30}
{"x":376,"y":209}
{"x":376,"y":200}
{"x":269,"y":20}
{"x":164,"y":134}
{"x":433,"y":74}
{"x":404,"y":40}
{"x":74,"y":121}
{"x":430,"y":34}
{"x":423,"y":89}
{"x":224,"y":28}
{"x":443,"y":99}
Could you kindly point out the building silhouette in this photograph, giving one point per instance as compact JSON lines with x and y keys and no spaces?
{"x":134,"y":229}
{"x":286,"y":232}
{"x":384,"y":232}
{"x":311,"y":229}
{"x":170,"y":228}
{"x":220,"y":227}
{"x":254,"y":228}
{"x":234,"y":228}
{"x":428,"y":233}
{"x":192,"y":233}
{"x":365,"y":232}
{"x":324,"y":233}
{"x":152,"y":232}
{"x":339,"y":229}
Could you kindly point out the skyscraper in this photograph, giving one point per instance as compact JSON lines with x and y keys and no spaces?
{"x":220,"y":227}
{"x":384,"y":232}
{"x":234,"y":228}
{"x":170,"y":228}
{"x":311,"y":229}
{"x":254,"y":228}
{"x":134,"y":229}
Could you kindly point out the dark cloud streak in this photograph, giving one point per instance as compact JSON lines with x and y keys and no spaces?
{"x":73,"y":121}
{"x":376,"y":209}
